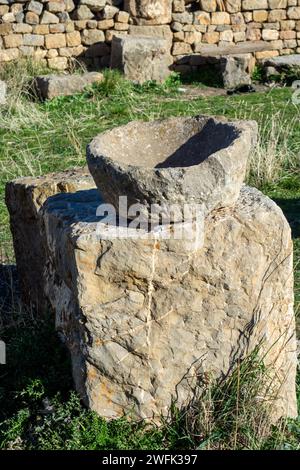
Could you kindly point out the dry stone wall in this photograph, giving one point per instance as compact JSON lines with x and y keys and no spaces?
{"x":57,"y":31}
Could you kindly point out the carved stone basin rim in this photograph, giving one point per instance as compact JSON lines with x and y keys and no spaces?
{"x":186,"y":160}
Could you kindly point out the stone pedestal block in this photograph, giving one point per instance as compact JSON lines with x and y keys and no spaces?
{"x":141,"y":59}
{"x":236,"y":70}
{"x":25,"y":197}
{"x":144,"y":318}
{"x":276,"y":65}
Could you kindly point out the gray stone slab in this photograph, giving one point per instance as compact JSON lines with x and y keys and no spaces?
{"x":51,"y":86}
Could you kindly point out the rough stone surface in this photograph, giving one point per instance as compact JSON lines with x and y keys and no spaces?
{"x":163,"y":31}
{"x":236,"y":70}
{"x":3,"y":89}
{"x":150,"y":12}
{"x":275,"y":65}
{"x":141,"y":58}
{"x":174,"y":161}
{"x":285,"y":61}
{"x":233,"y":49}
{"x":49,"y":18}
{"x":206,"y":27}
{"x":50,"y":86}
{"x":94,"y":5}
{"x":144,"y":318}
{"x":24,"y":198}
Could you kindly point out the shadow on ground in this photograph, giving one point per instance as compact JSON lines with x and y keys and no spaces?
{"x":9,"y":289}
{"x":291,"y":209}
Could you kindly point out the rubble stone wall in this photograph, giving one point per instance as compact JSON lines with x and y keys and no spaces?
{"x":60,"y":31}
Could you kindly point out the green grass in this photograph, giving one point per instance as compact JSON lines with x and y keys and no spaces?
{"x":38,"y":409}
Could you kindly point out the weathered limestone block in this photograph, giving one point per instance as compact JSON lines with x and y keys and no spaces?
{"x":275,"y":65}
{"x":24,"y":198}
{"x":122,"y":17}
{"x":109,"y":12}
{"x":144,"y":315}
{"x":83,"y":13}
{"x":36,"y":7}
{"x":92,"y":36}
{"x":53,"y":41}
{"x":141,"y":58}
{"x":32,"y":18}
{"x":144,"y":318}
{"x":69,"y":5}
{"x":255,"y":4}
{"x":181,"y":48}
{"x":236,"y":70}
{"x":149,"y":12}
{"x":178,"y":6}
{"x":163,"y":31}
{"x":56,"y":6}
{"x":57,"y":63}
{"x":94,"y":5}
{"x":233,"y":6}
{"x":5,"y":28}
{"x":208,"y":5}
{"x":33,"y":40}
{"x":9,"y":54}
{"x":50,"y":86}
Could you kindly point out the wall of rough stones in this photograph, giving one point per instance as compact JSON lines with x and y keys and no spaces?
{"x":57,"y":31}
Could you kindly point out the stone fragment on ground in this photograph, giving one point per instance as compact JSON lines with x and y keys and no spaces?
{"x":292,"y":60}
{"x":48,"y":87}
{"x":3,"y":91}
{"x":274,"y":65}
{"x":192,"y":92}
{"x":236,"y":70}
{"x":144,"y":319}
{"x":25,"y":198}
{"x":142,"y":59}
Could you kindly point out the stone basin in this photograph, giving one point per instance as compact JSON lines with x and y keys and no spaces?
{"x":173,"y":162}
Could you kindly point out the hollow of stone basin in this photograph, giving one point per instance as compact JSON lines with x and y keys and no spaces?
{"x":178,"y":161}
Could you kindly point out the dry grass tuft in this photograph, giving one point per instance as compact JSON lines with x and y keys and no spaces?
{"x":234,"y":413}
{"x":273,"y":155}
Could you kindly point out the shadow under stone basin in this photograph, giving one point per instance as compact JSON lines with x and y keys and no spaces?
{"x":177,"y":161}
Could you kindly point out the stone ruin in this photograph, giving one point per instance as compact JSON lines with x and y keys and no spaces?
{"x":145,"y":316}
{"x":57,"y":32}
{"x":147,"y":39}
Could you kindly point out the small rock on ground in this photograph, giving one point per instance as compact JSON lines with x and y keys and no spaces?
{"x":48,"y":87}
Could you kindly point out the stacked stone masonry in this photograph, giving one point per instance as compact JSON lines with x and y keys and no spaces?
{"x":60,"y":31}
